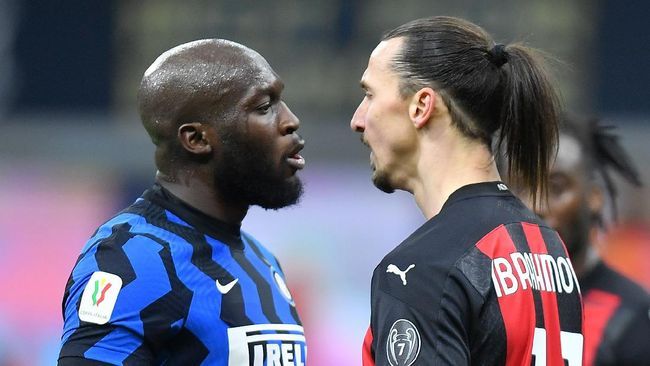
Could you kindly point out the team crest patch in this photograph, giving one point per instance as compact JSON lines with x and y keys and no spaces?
{"x":282,"y":286}
{"x":403,"y":345}
{"x":99,"y":297}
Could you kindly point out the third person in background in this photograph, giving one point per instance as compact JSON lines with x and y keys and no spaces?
{"x":581,"y":202}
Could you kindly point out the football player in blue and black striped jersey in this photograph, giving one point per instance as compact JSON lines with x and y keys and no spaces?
{"x":172,"y":279}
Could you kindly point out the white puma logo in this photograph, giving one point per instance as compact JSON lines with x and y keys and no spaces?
{"x":224,"y":289}
{"x":402,"y":274}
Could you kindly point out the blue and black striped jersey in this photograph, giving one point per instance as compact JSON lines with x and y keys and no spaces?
{"x":162,"y":283}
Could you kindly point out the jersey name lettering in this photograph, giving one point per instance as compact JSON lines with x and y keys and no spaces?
{"x":267,"y":344}
{"x":541,"y":272}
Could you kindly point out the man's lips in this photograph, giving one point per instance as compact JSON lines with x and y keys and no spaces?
{"x":294,"y":159}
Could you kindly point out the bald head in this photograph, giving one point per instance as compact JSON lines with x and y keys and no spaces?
{"x":199,"y":81}
{"x":196,"y":82}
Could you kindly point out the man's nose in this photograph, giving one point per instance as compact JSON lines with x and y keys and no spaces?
{"x":290,"y":122}
{"x":357,"y":123}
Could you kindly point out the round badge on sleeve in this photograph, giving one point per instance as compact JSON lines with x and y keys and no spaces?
{"x":403,"y":345}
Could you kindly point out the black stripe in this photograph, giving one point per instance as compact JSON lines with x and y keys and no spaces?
{"x":76,"y":361}
{"x":518,"y":237}
{"x":84,"y":338}
{"x":263,"y":288}
{"x":141,"y":355}
{"x":186,"y":349}
{"x":260,"y":255}
{"x":232,"y":310}
{"x":158,"y":317}
{"x":569,"y":305}
{"x":108,"y":253}
{"x":68,"y":286}
{"x":111,"y":257}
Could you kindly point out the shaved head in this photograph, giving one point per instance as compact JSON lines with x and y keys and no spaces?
{"x":200,"y":81}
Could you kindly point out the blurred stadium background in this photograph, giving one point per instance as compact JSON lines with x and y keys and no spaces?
{"x":72,"y":150}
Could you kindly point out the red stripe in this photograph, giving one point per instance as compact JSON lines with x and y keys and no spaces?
{"x":518,"y":308}
{"x":101,"y":298}
{"x":599,"y":307}
{"x":549,"y":301}
{"x":366,"y":352}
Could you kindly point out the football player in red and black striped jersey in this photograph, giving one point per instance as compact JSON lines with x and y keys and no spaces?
{"x":483,"y":281}
{"x":617,"y":310}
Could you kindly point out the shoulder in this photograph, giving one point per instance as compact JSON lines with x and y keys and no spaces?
{"x":120,"y":248}
{"x":453,"y":252}
{"x":260,"y":250}
{"x":630,"y":294}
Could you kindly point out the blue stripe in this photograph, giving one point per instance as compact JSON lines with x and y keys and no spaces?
{"x":210,"y":328}
{"x":265,"y":252}
{"x":114,"y":346}
{"x":106,"y":229}
{"x":251,"y":297}
{"x":176,"y":220}
{"x":85,"y":268}
{"x":282,"y":306}
{"x":81,"y":274}
{"x":150,"y":284}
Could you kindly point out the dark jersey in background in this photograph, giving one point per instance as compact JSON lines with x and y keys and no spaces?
{"x":484,"y":282}
{"x":617,"y":319}
{"x":162,"y":283}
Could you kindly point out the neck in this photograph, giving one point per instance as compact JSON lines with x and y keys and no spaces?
{"x":446,"y":164}
{"x":203,"y":197}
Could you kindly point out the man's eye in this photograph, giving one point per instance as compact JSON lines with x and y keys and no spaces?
{"x":264,"y":108}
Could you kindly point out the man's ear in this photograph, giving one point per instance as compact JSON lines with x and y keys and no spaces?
{"x":422,"y":106}
{"x":596,"y":200}
{"x":194,"y":138}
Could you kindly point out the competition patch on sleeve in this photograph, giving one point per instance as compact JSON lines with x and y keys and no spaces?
{"x":403,"y":344}
{"x":99,"y":297}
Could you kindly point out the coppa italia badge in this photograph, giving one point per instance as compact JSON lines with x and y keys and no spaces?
{"x":403,"y":345}
{"x":99,"y":297}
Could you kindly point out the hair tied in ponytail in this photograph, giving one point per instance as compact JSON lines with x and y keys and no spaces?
{"x":498,"y":55}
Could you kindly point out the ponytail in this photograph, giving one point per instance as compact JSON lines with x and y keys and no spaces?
{"x":488,"y":88}
{"x":529,"y":120}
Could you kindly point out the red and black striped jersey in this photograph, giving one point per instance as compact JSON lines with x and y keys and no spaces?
{"x":484,"y":282}
{"x":617,"y":319}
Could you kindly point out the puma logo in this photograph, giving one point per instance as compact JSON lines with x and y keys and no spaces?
{"x":224,"y":289}
{"x":402,"y":274}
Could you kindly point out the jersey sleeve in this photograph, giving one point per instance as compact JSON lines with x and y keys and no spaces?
{"x":411,"y":325}
{"x":111,"y":309}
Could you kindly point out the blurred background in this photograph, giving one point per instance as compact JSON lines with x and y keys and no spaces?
{"x":73,"y":152}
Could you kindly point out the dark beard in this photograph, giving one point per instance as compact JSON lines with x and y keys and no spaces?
{"x":381,"y":181}
{"x":246,"y":173}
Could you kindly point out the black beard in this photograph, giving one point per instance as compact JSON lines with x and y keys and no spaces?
{"x":381,"y":181}
{"x":245,"y":172}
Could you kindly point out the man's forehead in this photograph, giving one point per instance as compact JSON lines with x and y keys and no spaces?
{"x":569,"y":154}
{"x":385,"y":52}
{"x":380,"y":59}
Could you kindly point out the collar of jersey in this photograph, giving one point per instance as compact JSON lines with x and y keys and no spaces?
{"x":226,"y":233}
{"x":477,"y":190}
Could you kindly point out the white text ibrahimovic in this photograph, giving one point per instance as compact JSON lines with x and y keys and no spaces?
{"x":541,"y":272}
